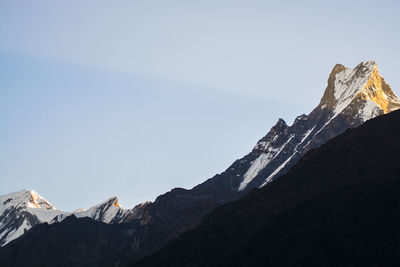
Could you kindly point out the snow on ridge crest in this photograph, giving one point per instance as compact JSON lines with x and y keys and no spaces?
{"x":19,"y":211}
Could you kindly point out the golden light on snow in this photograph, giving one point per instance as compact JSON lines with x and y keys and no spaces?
{"x":117,"y":204}
{"x":374,"y":91}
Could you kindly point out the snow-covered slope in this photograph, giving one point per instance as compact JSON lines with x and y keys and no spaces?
{"x":22,"y":210}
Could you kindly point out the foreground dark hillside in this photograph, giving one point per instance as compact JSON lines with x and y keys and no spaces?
{"x":339,"y":206}
{"x":66,"y":244}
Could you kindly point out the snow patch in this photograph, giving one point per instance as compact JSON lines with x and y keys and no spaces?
{"x":370,"y":110}
{"x":260,"y":163}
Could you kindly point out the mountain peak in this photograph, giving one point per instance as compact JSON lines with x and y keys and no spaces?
{"x":111,"y":201}
{"x":26,"y":198}
{"x":37,"y":201}
{"x":363,"y":85}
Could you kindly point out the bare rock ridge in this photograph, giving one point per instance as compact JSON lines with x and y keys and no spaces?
{"x":352,"y":97}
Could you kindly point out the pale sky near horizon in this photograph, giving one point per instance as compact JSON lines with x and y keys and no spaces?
{"x":132,"y":98}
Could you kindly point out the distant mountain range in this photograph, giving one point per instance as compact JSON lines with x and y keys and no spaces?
{"x":20,"y":211}
{"x":352,"y":97}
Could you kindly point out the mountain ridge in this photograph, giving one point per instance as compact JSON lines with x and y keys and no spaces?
{"x":19,"y":211}
{"x":155,"y":223}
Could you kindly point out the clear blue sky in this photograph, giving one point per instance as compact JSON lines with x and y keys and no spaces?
{"x":133,"y":98}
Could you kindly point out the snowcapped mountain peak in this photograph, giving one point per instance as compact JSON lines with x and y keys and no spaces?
{"x":361,"y":88}
{"x":114,"y":201}
{"x":111,"y":202}
{"x":19,"y":211}
{"x":352,"y":97}
{"x":109,"y":211}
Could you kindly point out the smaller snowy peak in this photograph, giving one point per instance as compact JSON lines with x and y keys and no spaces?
{"x":112,"y":201}
{"x":21,"y":210}
{"x":105,"y":211}
{"x":24,"y":198}
{"x":109,"y":211}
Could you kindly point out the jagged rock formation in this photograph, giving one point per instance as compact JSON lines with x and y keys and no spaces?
{"x":352,"y":97}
